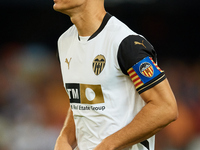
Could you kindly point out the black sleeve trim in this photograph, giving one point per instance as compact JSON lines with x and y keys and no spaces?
{"x":151,"y":83}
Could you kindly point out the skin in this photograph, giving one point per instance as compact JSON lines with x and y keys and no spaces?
{"x":159,"y":111}
{"x":87,"y":15}
{"x":67,"y":139}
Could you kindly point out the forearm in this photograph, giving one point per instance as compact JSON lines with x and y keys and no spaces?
{"x":67,"y":136}
{"x":62,"y":144}
{"x":159,"y":111}
{"x":147,"y":122}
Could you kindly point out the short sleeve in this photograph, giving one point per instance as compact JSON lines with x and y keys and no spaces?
{"x":137,"y":58}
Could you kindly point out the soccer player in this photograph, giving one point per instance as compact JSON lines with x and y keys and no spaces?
{"x":119,"y":97}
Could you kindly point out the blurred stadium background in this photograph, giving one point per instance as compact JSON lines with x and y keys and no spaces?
{"x":32,"y":98}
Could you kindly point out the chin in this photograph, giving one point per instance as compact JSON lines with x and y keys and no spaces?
{"x":55,"y":7}
{"x":62,"y":10}
{"x":59,"y":8}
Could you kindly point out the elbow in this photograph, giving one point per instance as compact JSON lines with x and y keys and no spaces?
{"x":169,"y":112}
{"x":173,"y":113}
{"x":176,"y":114}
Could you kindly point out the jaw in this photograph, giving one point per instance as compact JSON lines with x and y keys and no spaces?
{"x":68,"y":7}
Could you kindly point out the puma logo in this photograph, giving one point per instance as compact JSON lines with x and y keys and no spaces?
{"x":138,"y":43}
{"x":68,"y":62}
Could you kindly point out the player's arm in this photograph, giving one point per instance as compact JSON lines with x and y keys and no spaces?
{"x":159,"y":111}
{"x":136,"y":57}
{"x":67,"y":139}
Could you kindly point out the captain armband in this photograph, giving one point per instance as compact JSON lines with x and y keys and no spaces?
{"x":145,"y":74}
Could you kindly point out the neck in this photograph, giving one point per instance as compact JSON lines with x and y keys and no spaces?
{"x":88,"y":20}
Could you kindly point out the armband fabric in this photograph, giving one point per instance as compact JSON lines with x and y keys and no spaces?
{"x":145,"y":74}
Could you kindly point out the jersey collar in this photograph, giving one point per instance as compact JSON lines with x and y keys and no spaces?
{"x":103,"y":24}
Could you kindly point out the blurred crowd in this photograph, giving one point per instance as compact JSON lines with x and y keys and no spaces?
{"x":183,"y":134}
{"x":32,"y":97}
{"x":33,"y":100}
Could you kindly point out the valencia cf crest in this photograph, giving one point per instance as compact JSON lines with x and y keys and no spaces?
{"x":146,"y":69}
{"x":98,"y":64}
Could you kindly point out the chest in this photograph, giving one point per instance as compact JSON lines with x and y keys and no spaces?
{"x":91,"y":63}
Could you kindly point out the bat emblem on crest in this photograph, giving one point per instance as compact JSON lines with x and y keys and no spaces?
{"x":146,"y":69}
{"x":98,"y":64}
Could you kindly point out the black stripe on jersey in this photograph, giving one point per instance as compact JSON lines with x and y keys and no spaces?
{"x":103,"y":24}
{"x":145,"y":144}
{"x":152,"y":83}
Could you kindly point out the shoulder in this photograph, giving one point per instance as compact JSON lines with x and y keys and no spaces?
{"x":116,"y":31}
{"x":68,"y":34}
{"x":116,"y":24}
{"x":118,"y":28}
